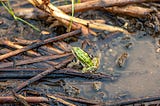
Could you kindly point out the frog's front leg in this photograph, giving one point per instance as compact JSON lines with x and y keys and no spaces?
{"x":77,"y":62}
{"x":74,"y":64}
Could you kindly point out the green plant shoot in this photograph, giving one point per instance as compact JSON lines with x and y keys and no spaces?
{"x":10,"y":10}
{"x":70,"y":25}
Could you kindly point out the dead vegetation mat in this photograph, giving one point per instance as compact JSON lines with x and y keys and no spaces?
{"x":34,"y":64}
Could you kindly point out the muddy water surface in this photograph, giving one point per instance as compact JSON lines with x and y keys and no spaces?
{"x":138,"y":75}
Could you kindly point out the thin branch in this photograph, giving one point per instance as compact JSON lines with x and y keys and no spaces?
{"x":30,"y":72}
{"x":43,"y":74}
{"x":39,"y":43}
{"x":47,"y":48}
{"x":33,"y":60}
{"x":11,"y":99}
{"x":11,"y":44}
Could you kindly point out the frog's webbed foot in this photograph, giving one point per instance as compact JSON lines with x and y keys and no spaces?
{"x":89,"y":70}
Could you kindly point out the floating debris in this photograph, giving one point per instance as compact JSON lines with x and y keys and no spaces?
{"x":97,"y":85}
{"x":121,"y":61}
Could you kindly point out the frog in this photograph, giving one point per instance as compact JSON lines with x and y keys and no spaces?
{"x":89,"y":64}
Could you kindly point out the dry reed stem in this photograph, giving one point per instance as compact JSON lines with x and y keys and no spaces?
{"x":58,"y":14}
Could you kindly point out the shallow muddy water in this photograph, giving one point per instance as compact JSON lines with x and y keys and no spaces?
{"x":133,"y":59}
{"x":138,"y":77}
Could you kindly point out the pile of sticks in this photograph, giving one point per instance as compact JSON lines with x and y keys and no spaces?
{"x":22,"y":56}
{"x":108,"y":5}
{"x":17,"y":53}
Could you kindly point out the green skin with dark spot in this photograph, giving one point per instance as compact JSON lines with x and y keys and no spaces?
{"x":88,"y":63}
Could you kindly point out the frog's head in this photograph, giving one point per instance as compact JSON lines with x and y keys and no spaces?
{"x":75,"y":49}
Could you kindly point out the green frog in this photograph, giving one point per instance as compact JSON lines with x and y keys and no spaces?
{"x":89,"y":64}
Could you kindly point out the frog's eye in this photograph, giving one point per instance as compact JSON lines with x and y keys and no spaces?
{"x":91,"y":56}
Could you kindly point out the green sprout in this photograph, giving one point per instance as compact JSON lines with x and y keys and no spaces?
{"x":78,"y":1}
{"x":70,"y":25}
{"x":10,"y":11}
{"x":73,"y":2}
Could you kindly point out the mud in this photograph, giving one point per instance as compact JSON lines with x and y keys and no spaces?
{"x":138,"y":75}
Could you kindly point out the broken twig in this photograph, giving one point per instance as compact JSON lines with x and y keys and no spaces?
{"x":11,"y":99}
{"x":39,"y":43}
{"x":43,"y":74}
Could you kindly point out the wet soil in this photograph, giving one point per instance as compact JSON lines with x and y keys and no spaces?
{"x":137,"y":74}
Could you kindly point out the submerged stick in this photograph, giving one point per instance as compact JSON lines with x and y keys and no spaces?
{"x":30,"y":72}
{"x":39,"y":43}
{"x":43,"y":74}
{"x":80,"y":100}
{"x":33,"y":60}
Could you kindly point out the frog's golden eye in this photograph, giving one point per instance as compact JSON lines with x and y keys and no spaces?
{"x":91,"y":56}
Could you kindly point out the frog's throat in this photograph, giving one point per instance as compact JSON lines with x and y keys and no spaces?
{"x":96,"y":61}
